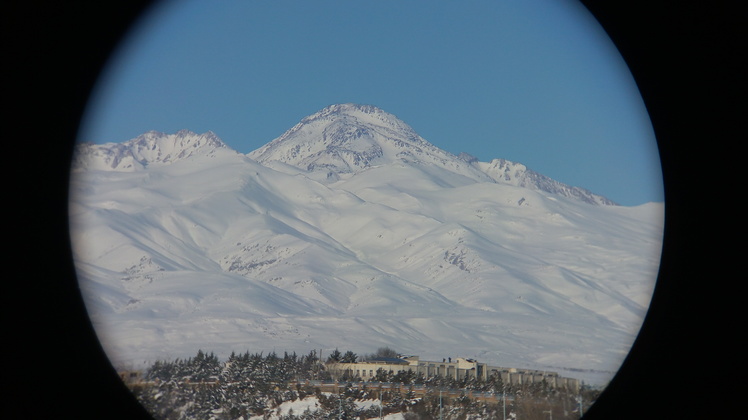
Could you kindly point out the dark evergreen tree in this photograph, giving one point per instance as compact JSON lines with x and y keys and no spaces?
{"x":335,"y":356}
{"x":383,"y":375}
{"x":404,"y":377}
{"x":349,"y":357}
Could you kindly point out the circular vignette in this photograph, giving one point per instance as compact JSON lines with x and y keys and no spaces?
{"x":642,"y":70}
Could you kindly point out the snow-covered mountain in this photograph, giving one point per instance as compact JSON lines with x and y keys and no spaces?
{"x":346,"y":139}
{"x":351,"y":231}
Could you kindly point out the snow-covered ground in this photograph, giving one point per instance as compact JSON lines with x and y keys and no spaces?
{"x":312,"y":404}
{"x":377,"y":239}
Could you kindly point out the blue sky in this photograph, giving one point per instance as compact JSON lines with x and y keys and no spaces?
{"x":532,"y":81}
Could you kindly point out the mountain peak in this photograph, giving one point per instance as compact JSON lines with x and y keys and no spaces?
{"x":347,"y":138}
{"x":179,"y":141}
{"x":349,"y":108}
{"x":368,"y":113}
{"x":356,"y":114}
{"x":146,"y":149}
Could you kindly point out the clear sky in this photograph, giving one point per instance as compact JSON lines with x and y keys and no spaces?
{"x":532,"y":81}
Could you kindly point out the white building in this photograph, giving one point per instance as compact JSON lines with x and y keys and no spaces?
{"x":458,"y":369}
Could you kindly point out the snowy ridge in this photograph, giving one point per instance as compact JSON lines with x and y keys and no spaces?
{"x":182,"y":243}
{"x":150,"y":148}
{"x":504,"y":171}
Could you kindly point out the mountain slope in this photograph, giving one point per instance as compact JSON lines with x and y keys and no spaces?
{"x":413,"y":248}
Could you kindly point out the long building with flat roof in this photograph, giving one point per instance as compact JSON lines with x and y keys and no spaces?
{"x":458,"y":369}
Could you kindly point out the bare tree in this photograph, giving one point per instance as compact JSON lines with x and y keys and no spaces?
{"x":382,"y":352}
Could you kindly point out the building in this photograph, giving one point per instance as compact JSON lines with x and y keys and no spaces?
{"x":131,"y":376}
{"x":459,"y":369}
